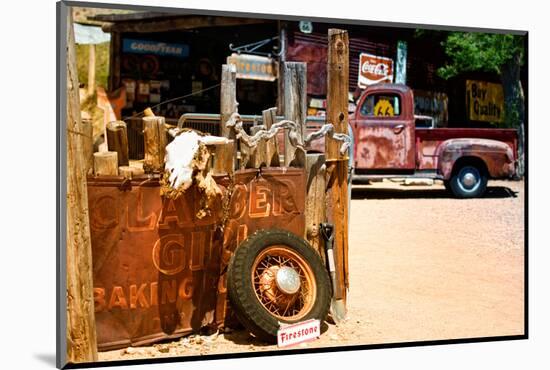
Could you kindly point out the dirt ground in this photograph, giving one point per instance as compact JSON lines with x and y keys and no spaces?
{"x":423,"y":266}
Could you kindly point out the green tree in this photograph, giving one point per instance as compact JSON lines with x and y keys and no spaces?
{"x":499,"y":53}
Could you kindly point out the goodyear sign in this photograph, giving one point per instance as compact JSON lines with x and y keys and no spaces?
{"x":485,"y":101}
{"x":154,"y":47}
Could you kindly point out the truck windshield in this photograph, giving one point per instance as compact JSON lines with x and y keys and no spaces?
{"x":386,"y":105}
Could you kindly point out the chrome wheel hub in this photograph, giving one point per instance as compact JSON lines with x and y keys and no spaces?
{"x":287,"y":280}
{"x":469,"y":180}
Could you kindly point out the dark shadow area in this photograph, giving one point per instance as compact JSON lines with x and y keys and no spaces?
{"x":47,"y":358}
{"x":245,"y":338}
{"x":493,"y":192}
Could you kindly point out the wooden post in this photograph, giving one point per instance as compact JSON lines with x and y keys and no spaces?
{"x":114,"y":61}
{"x":272,"y":149}
{"x":295,"y":82}
{"x":258,"y":157}
{"x":154,"y":137}
{"x":280,"y":80}
{"x":91,"y":70}
{"x":315,"y":201}
{"x":106,"y":163}
{"x":81,"y":330}
{"x":228,"y":103}
{"x":337,"y":164}
{"x":88,"y":144}
{"x":117,"y":141}
{"x":223,"y":158}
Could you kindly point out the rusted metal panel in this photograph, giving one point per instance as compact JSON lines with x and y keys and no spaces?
{"x":385,"y":142}
{"x":159,"y":271}
{"x":156,"y":266}
{"x":429,"y":141}
{"x":273,"y":197}
{"x":497,"y":156}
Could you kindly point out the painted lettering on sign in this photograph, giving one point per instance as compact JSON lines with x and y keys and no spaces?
{"x":254,"y":67}
{"x":155,"y":47}
{"x":374,"y":69}
{"x":485,"y":101}
{"x":144,"y":295}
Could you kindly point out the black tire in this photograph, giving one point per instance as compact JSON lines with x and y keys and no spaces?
{"x":447,"y":184}
{"x":247,"y":301}
{"x":468,"y":181}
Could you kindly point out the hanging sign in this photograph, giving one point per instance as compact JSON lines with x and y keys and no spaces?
{"x":485,"y":101}
{"x":254,"y":67}
{"x":374,"y":69}
{"x":155,"y":48}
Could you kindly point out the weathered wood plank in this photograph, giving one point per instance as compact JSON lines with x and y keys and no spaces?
{"x":154,"y":136}
{"x":117,"y":141}
{"x":106,"y":164}
{"x":272,"y":147}
{"x":223,"y":158}
{"x":337,"y":164}
{"x":228,"y":103}
{"x":81,"y":329}
{"x":295,"y":108}
{"x":315,"y":201}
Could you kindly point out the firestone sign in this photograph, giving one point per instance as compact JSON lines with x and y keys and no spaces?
{"x":374,"y":69}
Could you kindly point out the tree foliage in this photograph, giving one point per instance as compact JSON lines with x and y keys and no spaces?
{"x":472,"y":51}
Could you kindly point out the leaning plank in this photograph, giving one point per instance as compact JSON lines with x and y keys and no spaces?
{"x":315,"y":200}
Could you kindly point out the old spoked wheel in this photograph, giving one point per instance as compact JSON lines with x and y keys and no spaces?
{"x":276,"y":277}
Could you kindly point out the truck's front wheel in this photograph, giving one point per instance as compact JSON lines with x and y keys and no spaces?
{"x":468,"y":181}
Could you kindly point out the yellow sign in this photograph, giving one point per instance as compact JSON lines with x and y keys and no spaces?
{"x":383,"y":108}
{"x":485,"y":101}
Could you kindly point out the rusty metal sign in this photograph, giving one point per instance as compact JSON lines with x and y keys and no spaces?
{"x":261,"y":199}
{"x":254,"y":67}
{"x":158,"y":270}
{"x":155,"y":265}
{"x":374,"y":69}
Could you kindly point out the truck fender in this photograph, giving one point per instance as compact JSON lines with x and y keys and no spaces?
{"x":497,"y":156}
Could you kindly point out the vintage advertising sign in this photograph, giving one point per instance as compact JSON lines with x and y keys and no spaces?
{"x":433,"y":104}
{"x":374,"y":69}
{"x":155,"y":48}
{"x":155,"y":263}
{"x":485,"y":101}
{"x":305,"y":331}
{"x":254,"y":67}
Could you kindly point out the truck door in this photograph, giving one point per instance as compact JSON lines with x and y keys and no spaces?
{"x":384,"y":129}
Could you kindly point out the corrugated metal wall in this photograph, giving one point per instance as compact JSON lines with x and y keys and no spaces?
{"x":300,"y":49}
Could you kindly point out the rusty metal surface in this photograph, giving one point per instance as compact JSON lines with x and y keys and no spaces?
{"x":158,"y":271}
{"x":385,"y":142}
{"x":429,"y":140}
{"x":497,"y":156}
{"x":155,"y":265}
{"x":271,"y":198}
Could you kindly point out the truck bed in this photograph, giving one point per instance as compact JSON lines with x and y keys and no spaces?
{"x":427,"y":141}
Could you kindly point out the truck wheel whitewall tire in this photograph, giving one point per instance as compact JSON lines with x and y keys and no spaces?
{"x":468,"y":182}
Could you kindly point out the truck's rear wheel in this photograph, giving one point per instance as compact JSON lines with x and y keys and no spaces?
{"x":468,"y":181}
{"x":276,"y":277}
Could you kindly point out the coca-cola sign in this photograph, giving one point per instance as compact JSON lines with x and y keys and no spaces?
{"x":374,"y":69}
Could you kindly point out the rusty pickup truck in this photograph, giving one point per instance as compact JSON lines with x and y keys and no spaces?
{"x":387,"y":143}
